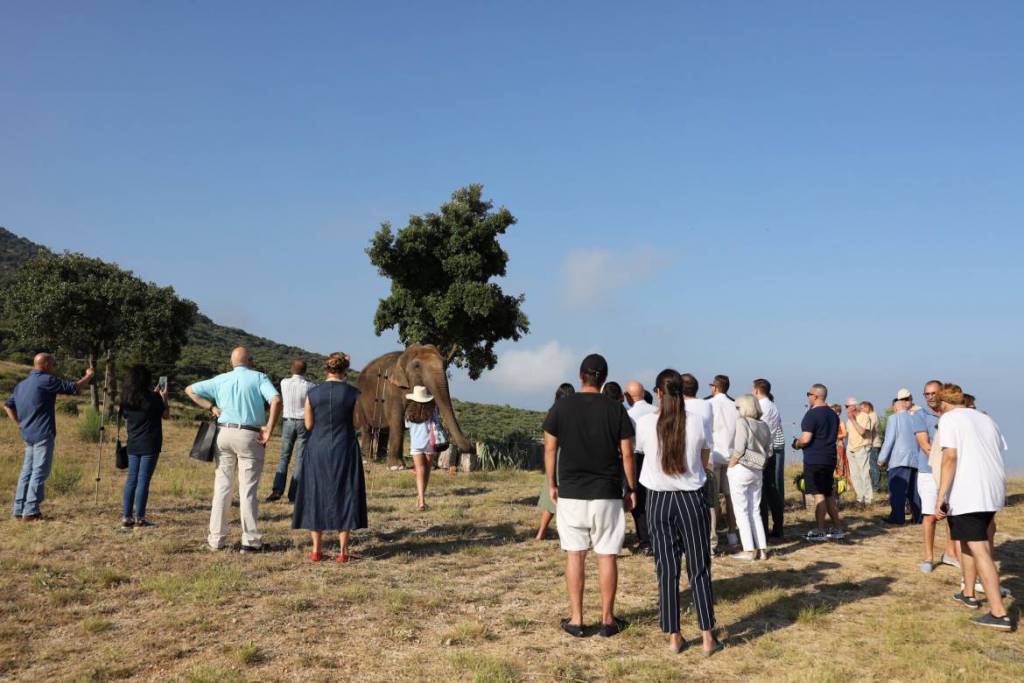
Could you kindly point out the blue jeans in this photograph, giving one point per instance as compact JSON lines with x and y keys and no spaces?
{"x":876,"y":473}
{"x":903,"y":486}
{"x":293,"y":436}
{"x":31,"y":484}
{"x":136,"y":487}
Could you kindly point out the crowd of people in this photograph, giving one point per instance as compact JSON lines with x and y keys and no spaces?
{"x":702,"y":466}
{"x":686,"y":468}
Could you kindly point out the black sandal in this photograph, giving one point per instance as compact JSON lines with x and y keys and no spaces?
{"x":574,"y":630}
{"x":609,"y":630}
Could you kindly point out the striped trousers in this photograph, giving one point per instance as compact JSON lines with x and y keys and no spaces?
{"x":679,"y":522}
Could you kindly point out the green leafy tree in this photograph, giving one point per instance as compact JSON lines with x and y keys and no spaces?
{"x":86,"y":306}
{"x":440,"y":266}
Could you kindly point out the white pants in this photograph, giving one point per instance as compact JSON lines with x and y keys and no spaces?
{"x":236,"y":448}
{"x":745,"y":492}
{"x":860,"y":473}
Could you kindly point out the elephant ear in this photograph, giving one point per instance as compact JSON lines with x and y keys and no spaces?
{"x":398,"y":375}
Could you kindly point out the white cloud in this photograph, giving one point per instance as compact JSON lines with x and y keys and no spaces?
{"x":538,"y":369}
{"x":592,"y":275}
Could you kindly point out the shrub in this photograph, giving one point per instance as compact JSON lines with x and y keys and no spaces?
{"x":249,"y":654}
{"x":516,"y":451}
{"x":68,"y":407}
{"x":89,"y":425}
{"x":65,"y":478}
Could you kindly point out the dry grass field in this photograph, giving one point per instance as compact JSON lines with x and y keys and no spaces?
{"x":459,"y":592}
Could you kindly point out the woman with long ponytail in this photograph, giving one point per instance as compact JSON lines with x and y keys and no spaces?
{"x":673,"y":472}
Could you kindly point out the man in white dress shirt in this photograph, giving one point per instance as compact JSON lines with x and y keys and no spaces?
{"x":293,"y":434}
{"x":702,"y":408}
{"x":724,"y":434}
{"x":638,"y":407}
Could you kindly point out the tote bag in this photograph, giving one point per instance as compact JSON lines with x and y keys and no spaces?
{"x":205,"y":442}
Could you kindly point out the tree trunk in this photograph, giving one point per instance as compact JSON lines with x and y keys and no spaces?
{"x":94,"y":394}
{"x":109,"y":386}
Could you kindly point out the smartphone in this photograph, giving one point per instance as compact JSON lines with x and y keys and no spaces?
{"x":944,"y":507}
{"x":163,"y":384}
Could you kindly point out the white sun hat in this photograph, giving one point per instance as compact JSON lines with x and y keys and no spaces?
{"x":420,"y":394}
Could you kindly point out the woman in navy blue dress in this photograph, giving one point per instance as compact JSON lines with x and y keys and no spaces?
{"x":331,"y":492}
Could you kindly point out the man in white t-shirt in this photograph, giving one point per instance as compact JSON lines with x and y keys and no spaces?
{"x":638,"y":407}
{"x":724,"y":433}
{"x":974,"y":479}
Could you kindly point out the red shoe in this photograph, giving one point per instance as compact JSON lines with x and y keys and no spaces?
{"x":315,"y":557}
{"x":350,"y":557}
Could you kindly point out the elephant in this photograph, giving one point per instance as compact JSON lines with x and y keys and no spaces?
{"x":383,"y":384}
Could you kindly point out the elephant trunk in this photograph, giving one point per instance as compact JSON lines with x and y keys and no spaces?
{"x":439,"y":388}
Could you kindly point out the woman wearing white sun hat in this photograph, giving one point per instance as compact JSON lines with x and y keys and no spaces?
{"x":426,"y":437}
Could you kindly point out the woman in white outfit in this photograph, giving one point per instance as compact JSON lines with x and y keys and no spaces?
{"x":750,"y":450}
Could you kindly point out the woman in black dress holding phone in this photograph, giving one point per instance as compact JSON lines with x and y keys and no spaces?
{"x":331,"y":493}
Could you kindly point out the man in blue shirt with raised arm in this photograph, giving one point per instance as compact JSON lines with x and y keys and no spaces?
{"x":32,"y":406}
{"x":238,"y":399}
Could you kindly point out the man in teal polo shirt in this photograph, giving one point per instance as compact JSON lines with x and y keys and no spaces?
{"x":238,"y":399}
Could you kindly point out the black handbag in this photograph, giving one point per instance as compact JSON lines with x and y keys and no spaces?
{"x":120,"y":450}
{"x":205,"y":442}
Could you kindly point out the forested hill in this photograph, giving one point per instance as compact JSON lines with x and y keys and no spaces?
{"x":209,"y":345}
{"x":14,"y":250}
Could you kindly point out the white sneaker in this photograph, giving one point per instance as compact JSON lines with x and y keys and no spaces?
{"x":836,"y":534}
{"x":978,"y":588}
{"x":749,"y":557}
{"x":951,"y":561}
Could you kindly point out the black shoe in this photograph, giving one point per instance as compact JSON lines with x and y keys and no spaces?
{"x":609,"y":630}
{"x":38,"y":517}
{"x":989,"y":620}
{"x":144,"y":523}
{"x":272,"y":497}
{"x":574,"y":630}
{"x":967,"y":600}
{"x":127,"y":522}
{"x":250,"y":549}
{"x":643,"y":549}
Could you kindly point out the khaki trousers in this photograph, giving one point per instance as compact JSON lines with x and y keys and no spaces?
{"x":860,"y":473}
{"x":236,"y":448}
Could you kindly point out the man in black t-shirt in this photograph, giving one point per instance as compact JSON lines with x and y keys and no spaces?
{"x":817,"y":440}
{"x":592,"y":433}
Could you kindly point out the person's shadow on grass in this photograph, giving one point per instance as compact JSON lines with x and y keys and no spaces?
{"x":442,"y":539}
{"x":805,"y":606}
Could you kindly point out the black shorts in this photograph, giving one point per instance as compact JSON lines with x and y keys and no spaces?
{"x":818,"y":479}
{"x":972,"y":526}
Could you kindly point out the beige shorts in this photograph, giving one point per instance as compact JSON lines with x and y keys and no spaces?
{"x":598,"y":524}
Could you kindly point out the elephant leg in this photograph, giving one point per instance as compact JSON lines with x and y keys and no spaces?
{"x":395,"y":438}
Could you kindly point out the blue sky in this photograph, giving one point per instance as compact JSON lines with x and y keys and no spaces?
{"x":799,"y":190}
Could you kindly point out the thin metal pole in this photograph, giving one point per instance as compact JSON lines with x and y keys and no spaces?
{"x":99,"y":459}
